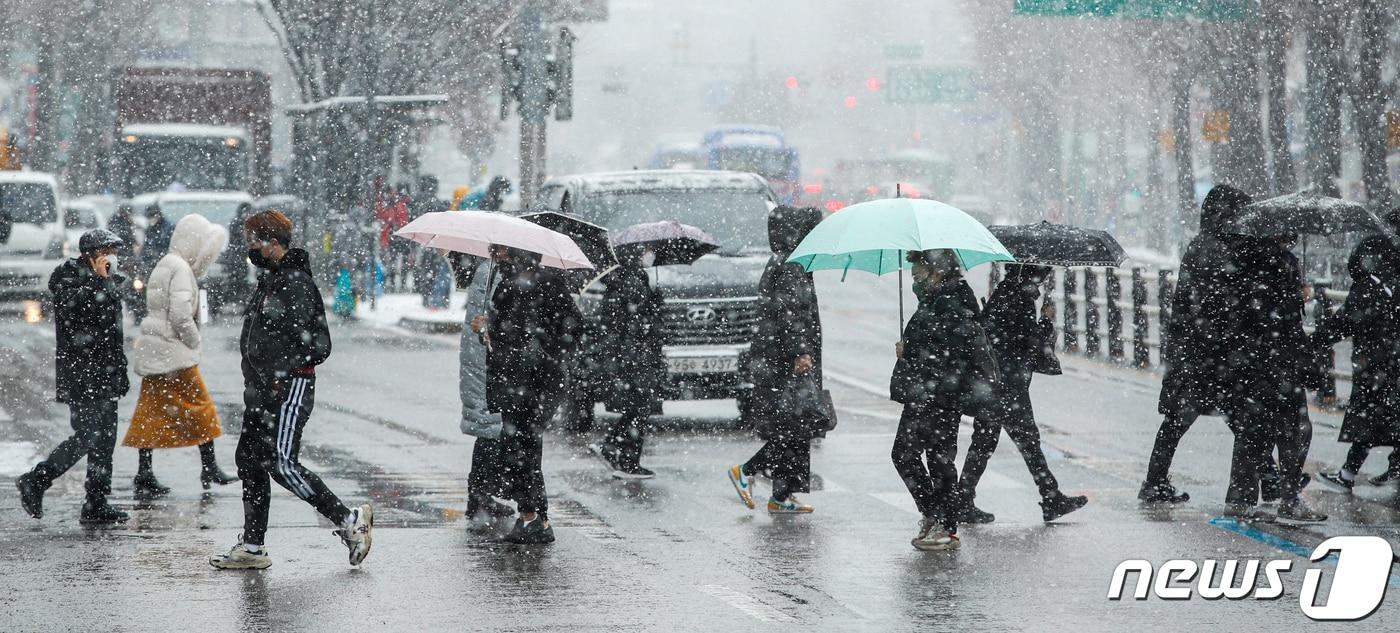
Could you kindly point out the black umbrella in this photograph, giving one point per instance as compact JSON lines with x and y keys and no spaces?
{"x":1304,"y":212}
{"x":1047,"y":244}
{"x":671,"y":242}
{"x":590,"y":237}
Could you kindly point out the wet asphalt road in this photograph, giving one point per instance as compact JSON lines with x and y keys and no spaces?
{"x":675,"y":553}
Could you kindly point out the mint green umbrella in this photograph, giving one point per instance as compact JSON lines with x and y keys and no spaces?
{"x":874,"y":236}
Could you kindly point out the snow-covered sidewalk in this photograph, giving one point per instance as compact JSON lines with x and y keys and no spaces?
{"x":407,"y":311}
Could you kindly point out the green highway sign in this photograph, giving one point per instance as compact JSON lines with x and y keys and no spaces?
{"x":1138,"y":9}
{"x":930,"y":84}
{"x":904,"y":51}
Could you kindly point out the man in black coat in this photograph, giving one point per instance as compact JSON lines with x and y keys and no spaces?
{"x":155,"y":246}
{"x":1022,"y":347}
{"x":1195,"y":348}
{"x":785,"y":365}
{"x":1270,"y":367}
{"x":90,"y":368}
{"x":284,"y":338}
{"x":631,"y":329}
{"x":532,"y":328}
{"x":1371,"y":318}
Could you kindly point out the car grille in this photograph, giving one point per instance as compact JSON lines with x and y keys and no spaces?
{"x":702,"y":322}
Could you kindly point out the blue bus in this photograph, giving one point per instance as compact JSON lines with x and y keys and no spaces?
{"x":759,"y":149}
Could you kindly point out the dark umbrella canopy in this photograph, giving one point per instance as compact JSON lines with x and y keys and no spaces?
{"x":1049,"y":244}
{"x":1303,"y":213}
{"x":672,"y":242}
{"x":591,"y":238}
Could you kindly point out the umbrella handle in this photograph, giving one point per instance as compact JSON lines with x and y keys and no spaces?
{"x":901,"y":293}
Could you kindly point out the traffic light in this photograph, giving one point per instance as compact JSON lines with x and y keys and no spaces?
{"x":511,"y":74}
{"x":561,"y":74}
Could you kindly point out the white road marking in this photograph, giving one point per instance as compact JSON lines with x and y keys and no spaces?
{"x":747,"y":604}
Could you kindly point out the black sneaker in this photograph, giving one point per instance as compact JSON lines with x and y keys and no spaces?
{"x":633,"y":473}
{"x":1161,"y":492}
{"x":1248,"y":514}
{"x":1299,"y":512}
{"x":1335,"y":478}
{"x":606,"y":452}
{"x":532,"y":533}
{"x":1387,"y":477}
{"x":31,"y":495}
{"x":973,"y":514}
{"x":103,"y":514}
{"x":1060,"y":505}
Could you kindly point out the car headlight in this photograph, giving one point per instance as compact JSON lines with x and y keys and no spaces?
{"x":138,"y":284}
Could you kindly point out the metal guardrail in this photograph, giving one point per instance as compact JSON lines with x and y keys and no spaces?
{"x":1094,"y":325}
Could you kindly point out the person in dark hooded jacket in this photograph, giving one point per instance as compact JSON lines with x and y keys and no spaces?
{"x":1370,"y":317}
{"x":631,"y":327}
{"x":785,"y":364}
{"x":532,"y":328}
{"x":939,"y":374}
{"x":90,"y":376}
{"x":1195,"y":349}
{"x":1269,"y":368}
{"x":284,"y":338}
{"x":1022,"y":347}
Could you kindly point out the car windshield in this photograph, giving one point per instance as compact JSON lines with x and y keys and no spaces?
{"x":771,"y":163}
{"x":198,"y":164}
{"x":738,"y":219}
{"x":219,"y":212}
{"x":28,"y":202}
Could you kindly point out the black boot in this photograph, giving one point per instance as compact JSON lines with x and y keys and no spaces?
{"x":1161,"y":492}
{"x":145,"y":486}
{"x":209,"y":471}
{"x":97,"y":513}
{"x":31,"y":493}
{"x":1059,"y":505}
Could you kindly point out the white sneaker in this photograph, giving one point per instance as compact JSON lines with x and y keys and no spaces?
{"x":932,"y":538}
{"x":357,"y":537}
{"x":240,"y":558}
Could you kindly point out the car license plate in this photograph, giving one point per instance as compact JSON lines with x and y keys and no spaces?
{"x":702,"y":364}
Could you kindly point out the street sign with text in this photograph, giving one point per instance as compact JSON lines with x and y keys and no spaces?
{"x":1137,"y":9}
{"x":928,"y":84}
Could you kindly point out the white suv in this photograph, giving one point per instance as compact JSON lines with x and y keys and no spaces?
{"x":29,"y":208}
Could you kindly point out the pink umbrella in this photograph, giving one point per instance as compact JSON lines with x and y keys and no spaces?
{"x":473,"y":233}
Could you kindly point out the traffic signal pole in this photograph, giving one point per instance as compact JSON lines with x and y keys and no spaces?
{"x":534,"y":99}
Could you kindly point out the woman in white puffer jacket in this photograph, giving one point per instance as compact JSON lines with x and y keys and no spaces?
{"x":174,"y":409}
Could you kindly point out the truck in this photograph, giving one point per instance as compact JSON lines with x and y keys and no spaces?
{"x":195,"y":129}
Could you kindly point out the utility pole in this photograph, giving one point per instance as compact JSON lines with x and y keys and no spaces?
{"x":370,"y":72}
{"x":538,"y":76}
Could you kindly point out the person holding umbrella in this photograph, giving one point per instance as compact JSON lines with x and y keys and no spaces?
{"x":786,"y":364}
{"x":1370,"y":317}
{"x":631,"y":326}
{"x":1023,"y":347}
{"x":942,"y":370}
{"x":532,"y":327}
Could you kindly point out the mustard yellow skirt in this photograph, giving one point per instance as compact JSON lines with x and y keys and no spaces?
{"x":174,"y":410}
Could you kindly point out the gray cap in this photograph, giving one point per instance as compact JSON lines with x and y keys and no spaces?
{"x":98,"y":239}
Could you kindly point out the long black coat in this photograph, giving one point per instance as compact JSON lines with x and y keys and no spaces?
{"x":1023,"y":345}
{"x":1207,"y":290}
{"x":533,"y":327}
{"x":90,"y":361}
{"x":631,"y":328}
{"x":156,"y":246}
{"x":1371,"y":318}
{"x":940,"y":367}
{"x":789,"y":326}
{"x":1269,"y":361}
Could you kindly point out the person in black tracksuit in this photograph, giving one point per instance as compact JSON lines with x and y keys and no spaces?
{"x":284,"y":338}
{"x":90,"y":366}
{"x":937,"y":376}
{"x":533,"y":326}
{"x":1194,"y":349}
{"x":630,"y":323}
{"x":1022,"y":347}
{"x":785,"y":359}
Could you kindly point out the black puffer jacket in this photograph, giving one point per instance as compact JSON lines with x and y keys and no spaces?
{"x":534,"y":328}
{"x":941,"y":366}
{"x":1023,"y":344}
{"x":90,"y":361}
{"x":1370,"y":317}
{"x":631,"y":328}
{"x":1268,"y":353}
{"x":284,"y":324}
{"x":1207,"y":291}
{"x":156,"y":246}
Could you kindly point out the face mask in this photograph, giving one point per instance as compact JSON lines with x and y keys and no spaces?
{"x":648,"y":259}
{"x":920,"y":287}
{"x":258,"y":259}
{"x":111,"y":262}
